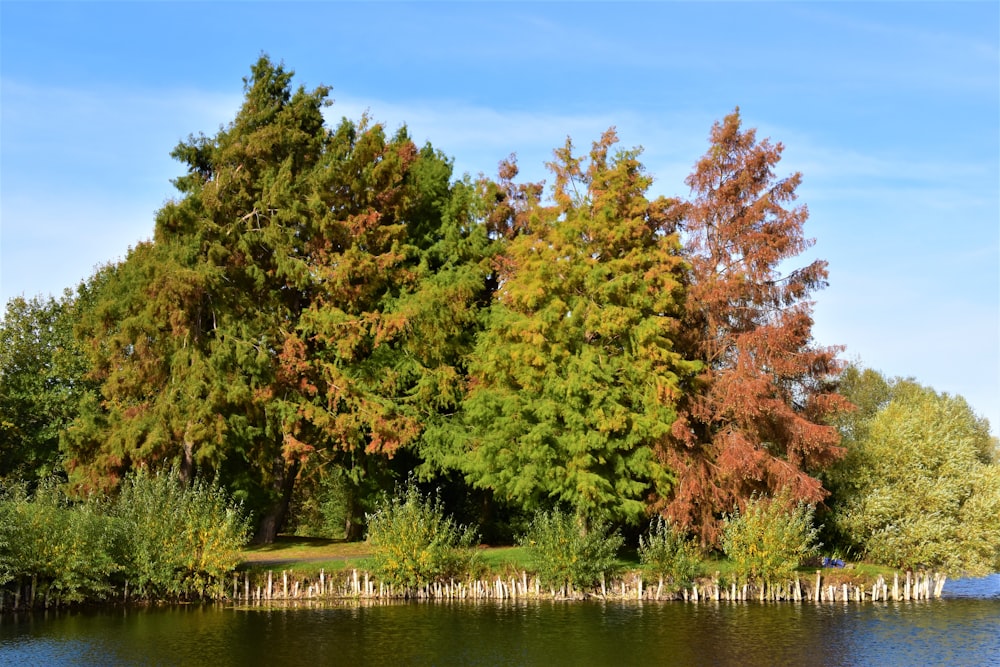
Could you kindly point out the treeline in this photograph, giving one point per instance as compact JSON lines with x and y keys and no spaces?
{"x":325,"y":310}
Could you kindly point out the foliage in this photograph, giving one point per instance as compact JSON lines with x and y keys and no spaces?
{"x":65,"y":548}
{"x":302,"y":303}
{"x":769,"y":538}
{"x":325,"y":302}
{"x":41,"y":383}
{"x":575,"y":376}
{"x":414,"y":542}
{"x":667,"y":551}
{"x":564,"y":552}
{"x":159,"y":539}
{"x":754,"y":420}
{"x":177,"y":539}
{"x":918,"y":486}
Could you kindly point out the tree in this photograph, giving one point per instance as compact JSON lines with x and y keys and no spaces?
{"x":575,"y":376}
{"x":281,"y":318}
{"x":186,"y":337}
{"x":919,"y":485}
{"x":41,"y":382}
{"x":753,"y":421}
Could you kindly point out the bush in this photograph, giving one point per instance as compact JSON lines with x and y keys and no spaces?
{"x":564,"y":553}
{"x":66,"y":549}
{"x":177,"y":539}
{"x":767,"y":541}
{"x":668,"y":553}
{"x":413,"y":541}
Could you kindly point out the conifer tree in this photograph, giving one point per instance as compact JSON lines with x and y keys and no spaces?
{"x":271,"y":321}
{"x":575,"y":377}
{"x":754,"y":419}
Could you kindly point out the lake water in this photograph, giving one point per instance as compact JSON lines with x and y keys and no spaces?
{"x":963,"y":628}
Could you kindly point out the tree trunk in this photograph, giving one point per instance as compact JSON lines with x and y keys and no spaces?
{"x":354,"y":519}
{"x":186,"y":471}
{"x":274,"y":518}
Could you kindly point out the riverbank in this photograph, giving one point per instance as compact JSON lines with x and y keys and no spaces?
{"x":309,"y":568}
{"x":313,"y":569}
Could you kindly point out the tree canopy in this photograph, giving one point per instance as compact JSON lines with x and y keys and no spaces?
{"x":754,"y":419}
{"x":267,"y":321}
{"x":920,"y":485}
{"x":329,"y":301}
{"x":575,"y":377}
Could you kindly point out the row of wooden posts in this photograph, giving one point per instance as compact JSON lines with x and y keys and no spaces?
{"x":912,"y":587}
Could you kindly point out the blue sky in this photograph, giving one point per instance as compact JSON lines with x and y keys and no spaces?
{"x":890,"y":110}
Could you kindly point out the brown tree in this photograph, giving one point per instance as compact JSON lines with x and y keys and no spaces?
{"x":753,"y":421}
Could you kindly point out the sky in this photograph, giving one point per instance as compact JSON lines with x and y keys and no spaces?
{"x":891,"y":112}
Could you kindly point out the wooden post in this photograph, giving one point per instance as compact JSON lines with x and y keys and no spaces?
{"x":269,"y":585}
{"x":819,"y":588}
{"x":284,"y":587}
{"x":939,"y":586}
{"x":895,"y":586}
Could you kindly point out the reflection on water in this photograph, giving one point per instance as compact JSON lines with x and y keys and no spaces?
{"x":963,"y":629}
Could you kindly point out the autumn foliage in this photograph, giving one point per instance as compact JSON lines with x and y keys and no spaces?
{"x":330,"y":300}
{"x":754,"y":419}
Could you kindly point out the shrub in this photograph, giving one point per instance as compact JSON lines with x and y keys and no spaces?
{"x":413,"y":541}
{"x":177,"y":539}
{"x":767,"y":541}
{"x":564,"y":553}
{"x":668,"y":553}
{"x":65,"y":548}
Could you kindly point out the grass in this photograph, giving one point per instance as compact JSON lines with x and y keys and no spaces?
{"x":308,"y":555}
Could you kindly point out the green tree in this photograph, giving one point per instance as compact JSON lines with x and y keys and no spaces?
{"x":575,"y":376}
{"x":919,"y":485}
{"x":41,"y":382}
{"x":301,"y":305}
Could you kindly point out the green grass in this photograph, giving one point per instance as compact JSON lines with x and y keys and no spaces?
{"x":306,"y":556}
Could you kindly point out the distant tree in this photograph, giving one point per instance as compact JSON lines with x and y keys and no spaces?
{"x":919,"y":485}
{"x":41,"y":382}
{"x":575,"y":376}
{"x":753,"y":421}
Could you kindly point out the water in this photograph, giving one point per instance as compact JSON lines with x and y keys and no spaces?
{"x":963,"y":628}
